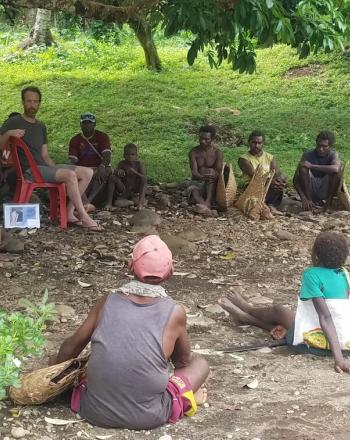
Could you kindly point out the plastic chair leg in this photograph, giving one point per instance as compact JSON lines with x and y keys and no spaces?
{"x":63,"y":207}
{"x":53,"y":204}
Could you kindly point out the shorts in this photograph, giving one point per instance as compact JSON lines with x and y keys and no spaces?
{"x":49,"y":173}
{"x":180,"y":390}
{"x":200,"y":185}
{"x":319,"y":187}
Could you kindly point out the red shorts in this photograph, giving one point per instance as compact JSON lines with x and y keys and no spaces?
{"x":180,"y":389}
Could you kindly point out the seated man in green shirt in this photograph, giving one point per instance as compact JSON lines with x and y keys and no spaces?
{"x":256,"y":156}
{"x":323,"y":302}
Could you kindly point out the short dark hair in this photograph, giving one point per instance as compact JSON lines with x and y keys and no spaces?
{"x":256,"y":133}
{"x":208,"y":129}
{"x":331,"y":250}
{"x":326,"y":136}
{"x":130,"y":146}
{"x":31,"y":89}
{"x":11,"y":115}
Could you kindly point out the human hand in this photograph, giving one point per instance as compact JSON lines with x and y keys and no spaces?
{"x":52,"y":360}
{"x":121,"y":173}
{"x":306,"y":164}
{"x":308,"y":205}
{"x":341,"y":366}
{"x":101,"y":174}
{"x":18,"y":133}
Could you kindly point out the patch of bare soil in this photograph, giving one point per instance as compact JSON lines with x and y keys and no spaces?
{"x":296,"y":72}
{"x":298,"y":397}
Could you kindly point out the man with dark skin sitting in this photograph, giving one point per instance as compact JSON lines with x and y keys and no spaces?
{"x":317,"y":176}
{"x":134,"y":333}
{"x":206,"y":164}
{"x":91,"y":148}
{"x":256,"y":156}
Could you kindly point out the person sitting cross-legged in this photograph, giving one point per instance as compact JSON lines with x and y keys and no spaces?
{"x":317,"y":176}
{"x":91,"y":148}
{"x":135,"y":332}
{"x":256,"y":156}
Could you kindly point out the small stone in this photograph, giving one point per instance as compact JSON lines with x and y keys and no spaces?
{"x":215,"y":309}
{"x":237,"y":371}
{"x":63,"y":310}
{"x":285,"y":235}
{"x":8,"y":274}
{"x":200,"y":321}
{"x":165,"y":437}
{"x":18,"y":432}
{"x":296,"y":393}
{"x":264,"y":350}
{"x":206,"y":405}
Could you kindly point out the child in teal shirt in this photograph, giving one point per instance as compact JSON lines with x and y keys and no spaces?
{"x":325,"y":280}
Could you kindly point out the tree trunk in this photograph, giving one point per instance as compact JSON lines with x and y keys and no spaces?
{"x":40,"y":35}
{"x":143,"y":32}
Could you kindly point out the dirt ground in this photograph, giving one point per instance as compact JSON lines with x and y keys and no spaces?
{"x":298,"y":397}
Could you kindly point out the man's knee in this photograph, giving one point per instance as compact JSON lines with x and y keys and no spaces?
{"x":84,"y":172}
{"x":66,"y":176}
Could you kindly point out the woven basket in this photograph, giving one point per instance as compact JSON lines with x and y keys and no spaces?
{"x":343,"y":192}
{"x":226,"y":187}
{"x":252,"y":201}
{"x":47,"y":383}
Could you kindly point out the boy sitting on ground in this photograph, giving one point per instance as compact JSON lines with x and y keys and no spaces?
{"x":135,"y":332}
{"x":128,"y":182}
{"x":321,"y":322}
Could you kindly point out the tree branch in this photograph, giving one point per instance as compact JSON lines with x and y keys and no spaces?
{"x":100,"y":10}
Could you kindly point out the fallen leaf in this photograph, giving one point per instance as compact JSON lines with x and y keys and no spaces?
{"x":252,"y":385}
{"x":60,"y":422}
{"x":228,"y":256}
{"x":181,"y":274}
{"x":103,"y":437}
{"x":84,"y":285}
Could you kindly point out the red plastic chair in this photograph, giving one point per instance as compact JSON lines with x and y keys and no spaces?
{"x":25,"y":187}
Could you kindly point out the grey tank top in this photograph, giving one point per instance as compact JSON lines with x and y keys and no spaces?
{"x":127,"y":371}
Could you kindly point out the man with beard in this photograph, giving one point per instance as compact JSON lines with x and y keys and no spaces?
{"x":34,"y":134}
{"x":318,"y":174}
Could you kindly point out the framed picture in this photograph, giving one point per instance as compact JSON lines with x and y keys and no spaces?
{"x":21,"y":215}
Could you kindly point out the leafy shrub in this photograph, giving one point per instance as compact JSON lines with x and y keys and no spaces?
{"x":21,"y":335}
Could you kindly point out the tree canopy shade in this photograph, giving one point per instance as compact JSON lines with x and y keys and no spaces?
{"x":223,"y":29}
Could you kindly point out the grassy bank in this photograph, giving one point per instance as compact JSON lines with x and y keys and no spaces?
{"x":161,"y":112}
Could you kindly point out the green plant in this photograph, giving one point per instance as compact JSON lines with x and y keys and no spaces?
{"x":21,"y":335}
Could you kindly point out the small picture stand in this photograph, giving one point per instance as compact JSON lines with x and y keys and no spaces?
{"x":25,"y":215}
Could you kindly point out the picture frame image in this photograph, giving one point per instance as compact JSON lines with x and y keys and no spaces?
{"x":21,"y":215}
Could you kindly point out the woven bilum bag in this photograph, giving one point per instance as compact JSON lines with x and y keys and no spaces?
{"x":343,"y":192}
{"x":252,"y":201}
{"x":226,"y":188}
{"x":45,"y":384}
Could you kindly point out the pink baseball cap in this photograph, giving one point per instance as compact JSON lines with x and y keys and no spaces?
{"x":151,"y":257}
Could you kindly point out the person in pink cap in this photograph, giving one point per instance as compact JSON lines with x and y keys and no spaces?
{"x":135,"y":332}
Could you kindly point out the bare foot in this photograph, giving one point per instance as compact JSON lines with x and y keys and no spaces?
{"x":239,"y":301}
{"x":108,"y":207}
{"x":88,"y":223}
{"x":239,"y":316}
{"x":201,"y":395}
{"x":72,"y":219}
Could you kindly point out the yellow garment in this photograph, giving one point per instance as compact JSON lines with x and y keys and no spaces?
{"x":264,"y":160}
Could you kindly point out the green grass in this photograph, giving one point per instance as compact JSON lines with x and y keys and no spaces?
{"x":161,"y":112}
